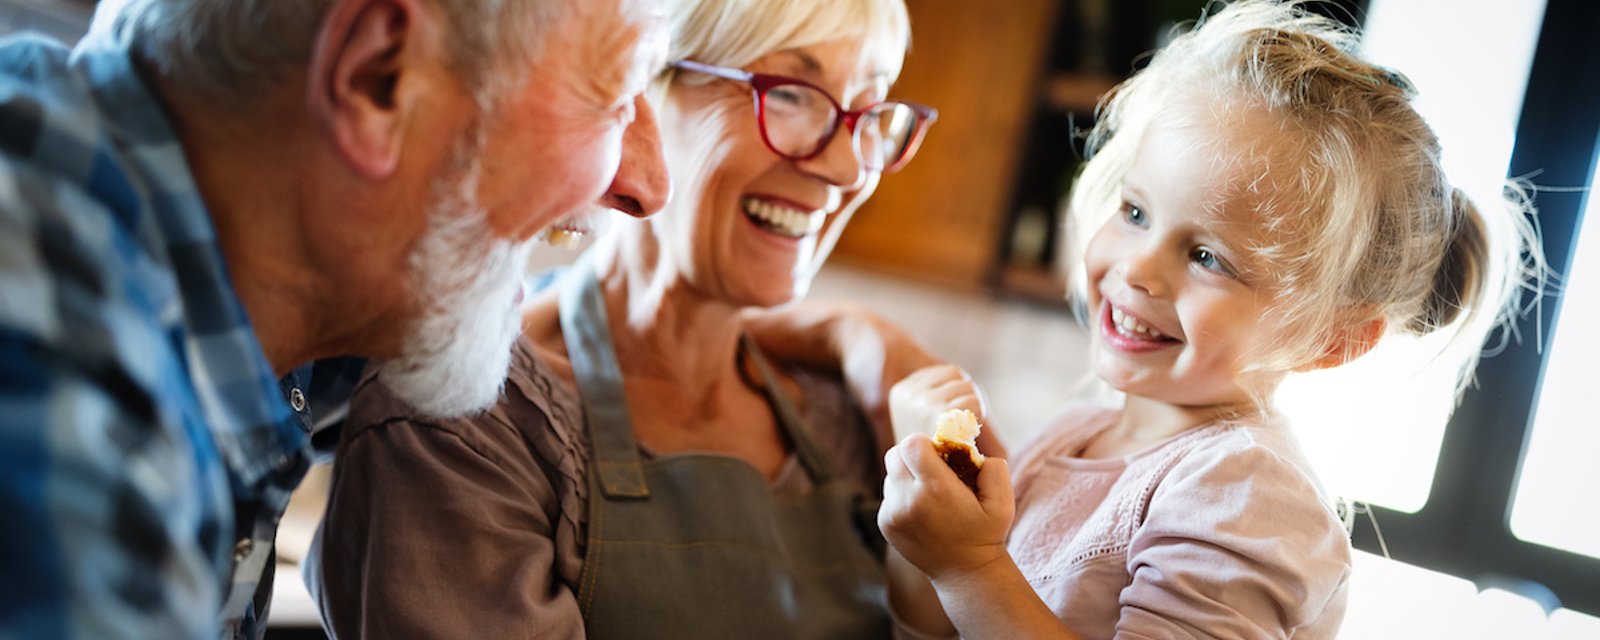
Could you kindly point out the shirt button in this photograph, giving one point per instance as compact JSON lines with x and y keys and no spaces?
{"x":297,"y":400}
{"x":242,"y":549}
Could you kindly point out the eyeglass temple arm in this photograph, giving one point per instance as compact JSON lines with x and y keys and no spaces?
{"x":720,"y":72}
{"x":927,"y":116}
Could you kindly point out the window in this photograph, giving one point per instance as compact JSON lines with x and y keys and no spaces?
{"x":1554,"y":504}
{"x":1500,"y":508}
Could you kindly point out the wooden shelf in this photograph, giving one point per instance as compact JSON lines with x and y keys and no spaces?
{"x":1077,"y":92}
{"x":1035,"y":284}
{"x":941,"y":217}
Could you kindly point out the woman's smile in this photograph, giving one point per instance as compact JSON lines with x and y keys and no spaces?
{"x":782,"y":217}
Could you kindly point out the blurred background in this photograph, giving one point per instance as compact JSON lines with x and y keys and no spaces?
{"x":1483,"y":524}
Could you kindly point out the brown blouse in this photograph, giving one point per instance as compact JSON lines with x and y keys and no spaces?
{"x":475,"y":528}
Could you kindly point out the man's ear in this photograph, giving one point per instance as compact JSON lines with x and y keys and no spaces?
{"x":362,"y":53}
{"x":1348,"y":343}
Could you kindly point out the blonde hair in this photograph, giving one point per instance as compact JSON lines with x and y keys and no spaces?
{"x":1372,"y":229}
{"x":734,"y":33}
{"x":233,"y":49}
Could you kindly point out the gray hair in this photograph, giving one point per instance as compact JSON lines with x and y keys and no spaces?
{"x":232,"y":49}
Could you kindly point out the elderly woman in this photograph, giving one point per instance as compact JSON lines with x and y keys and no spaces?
{"x":648,"y":472}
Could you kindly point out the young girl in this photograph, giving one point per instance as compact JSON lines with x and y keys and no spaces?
{"x":1260,"y":202}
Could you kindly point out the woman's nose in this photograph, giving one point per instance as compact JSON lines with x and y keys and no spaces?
{"x":642,"y":184}
{"x":839,"y":164}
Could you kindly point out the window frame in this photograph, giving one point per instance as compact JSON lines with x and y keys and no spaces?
{"x":1464,"y":529}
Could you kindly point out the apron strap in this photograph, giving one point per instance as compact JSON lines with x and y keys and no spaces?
{"x":788,"y":418}
{"x":594,"y":365}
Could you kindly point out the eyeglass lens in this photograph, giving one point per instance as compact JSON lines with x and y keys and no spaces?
{"x":800,"y":119}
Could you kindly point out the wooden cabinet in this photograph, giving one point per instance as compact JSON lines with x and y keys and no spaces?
{"x":940,"y":218}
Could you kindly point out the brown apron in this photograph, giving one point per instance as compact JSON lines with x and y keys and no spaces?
{"x":697,"y":545}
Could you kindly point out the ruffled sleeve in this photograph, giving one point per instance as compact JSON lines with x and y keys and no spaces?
{"x":457,"y":528}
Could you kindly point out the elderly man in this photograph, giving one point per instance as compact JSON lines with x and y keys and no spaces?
{"x":205,"y":195}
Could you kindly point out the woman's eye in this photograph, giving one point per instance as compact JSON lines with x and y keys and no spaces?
{"x":792,"y":95}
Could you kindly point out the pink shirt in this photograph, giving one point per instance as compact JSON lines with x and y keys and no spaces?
{"x":1220,"y":531}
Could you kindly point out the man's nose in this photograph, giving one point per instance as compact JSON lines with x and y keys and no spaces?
{"x":642,"y":184}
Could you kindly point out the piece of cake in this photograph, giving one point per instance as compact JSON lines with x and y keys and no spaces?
{"x":955,"y":436}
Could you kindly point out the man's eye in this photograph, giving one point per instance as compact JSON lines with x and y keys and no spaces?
{"x":628,"y":110}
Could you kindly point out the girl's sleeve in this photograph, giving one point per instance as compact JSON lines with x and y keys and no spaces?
{"x":1237,"y":543}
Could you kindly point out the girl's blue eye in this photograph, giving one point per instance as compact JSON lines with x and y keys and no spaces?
{"x":1134,"y":215}
{"x":1209,"y":260}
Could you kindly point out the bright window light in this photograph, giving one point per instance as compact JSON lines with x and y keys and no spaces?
{"x":1469,"y":62}
{"x":1559,"y":472}
{"x":1390,"y":599}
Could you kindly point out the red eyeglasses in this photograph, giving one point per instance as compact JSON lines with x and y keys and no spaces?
{"x":797,"y":119}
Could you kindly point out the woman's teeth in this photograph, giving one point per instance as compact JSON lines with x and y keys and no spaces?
{"x":1130,"y":326}
{"x":784,"y":220}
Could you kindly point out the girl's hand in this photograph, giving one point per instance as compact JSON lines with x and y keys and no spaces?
{"x":934,"y":520}
{"x":916,"y":402}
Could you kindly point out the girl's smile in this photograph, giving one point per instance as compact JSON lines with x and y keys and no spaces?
{"x":1128,"y":333}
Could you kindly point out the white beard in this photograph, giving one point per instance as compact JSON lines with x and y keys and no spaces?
{"x":455,"y":355}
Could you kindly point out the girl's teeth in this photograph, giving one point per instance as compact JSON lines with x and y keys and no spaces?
{"x":784,"y":220}
{"x":1129,"y":325}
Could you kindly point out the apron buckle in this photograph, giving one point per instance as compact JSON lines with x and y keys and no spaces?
{"x":623,"y":479}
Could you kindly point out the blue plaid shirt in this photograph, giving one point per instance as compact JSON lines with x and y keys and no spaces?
{"x":147,"y":449}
